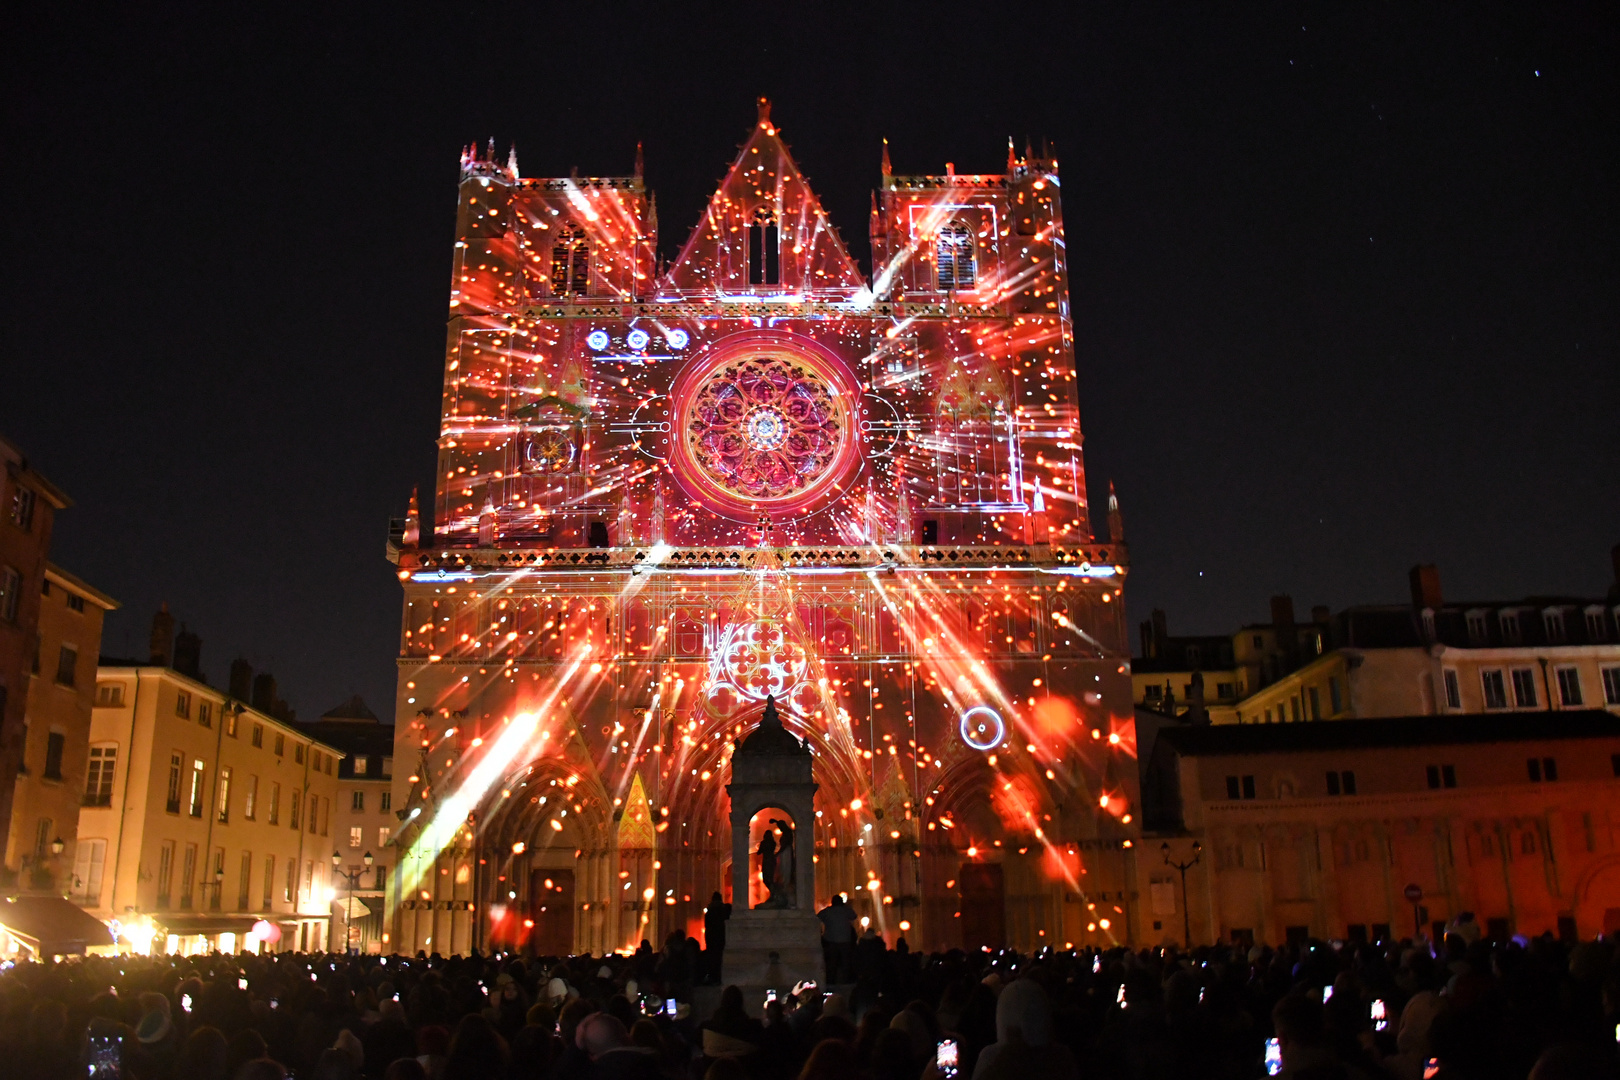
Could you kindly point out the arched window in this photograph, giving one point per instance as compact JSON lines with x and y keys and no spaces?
{"x":570,"y":262}
{"x":958,"y":268}
{"x":764,"y":249}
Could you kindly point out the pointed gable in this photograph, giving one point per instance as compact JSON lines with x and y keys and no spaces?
{"x":636,"y":828}
{"x":764,"y":231}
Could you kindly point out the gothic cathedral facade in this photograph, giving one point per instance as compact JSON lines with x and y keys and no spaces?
{"x":666,"y":494}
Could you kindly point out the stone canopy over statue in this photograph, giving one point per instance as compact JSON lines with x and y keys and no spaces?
{"x":778,"y":941}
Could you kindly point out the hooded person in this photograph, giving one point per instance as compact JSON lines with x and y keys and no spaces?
{"x":1024,"y":1045}
{"x":607,"y":1042}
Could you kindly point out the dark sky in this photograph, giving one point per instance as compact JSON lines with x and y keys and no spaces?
{"x":1344,"y":281}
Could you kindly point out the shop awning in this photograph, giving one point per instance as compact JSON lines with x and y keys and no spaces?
{"x":206,"y":925}
{"x":52,"y":925}
{"x":353,"y":907}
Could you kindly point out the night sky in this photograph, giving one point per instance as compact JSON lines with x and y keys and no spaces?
{"x":1344,"y":284}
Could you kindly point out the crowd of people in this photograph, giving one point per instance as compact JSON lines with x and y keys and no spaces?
{"x":1473,"y":1010}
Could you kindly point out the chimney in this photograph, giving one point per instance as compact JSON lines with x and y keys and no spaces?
{"x":264,"y":693}
{"x":1153,"y":636}
{"x":1320,"y":613}
{"x":242,"y":680}
{"x":1425,"y":583}
{"x":162,"y":645}
{"x":188,"y":653}
{"x":1282,"y":611}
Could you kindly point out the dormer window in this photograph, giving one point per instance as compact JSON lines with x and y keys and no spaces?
{"x":1553,"y":620}
{"x":570,"y":262}
{"x":1509,"y":621}
{"x":957,"y":264}
{"x":764,"y":249}
{"x":1478,"y":631}
{"x":1597,"y":630}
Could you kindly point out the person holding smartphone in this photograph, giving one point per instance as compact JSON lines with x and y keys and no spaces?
{"x":1025,"y":1045}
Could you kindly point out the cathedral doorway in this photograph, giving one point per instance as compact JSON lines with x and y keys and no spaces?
{"x":984,"y":905}
{"x":551,"y":909}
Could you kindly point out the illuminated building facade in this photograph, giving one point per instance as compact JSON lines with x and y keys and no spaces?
{"x":667,"y":493}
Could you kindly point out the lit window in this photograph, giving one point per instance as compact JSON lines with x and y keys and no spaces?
{"x":356,"y":836}
{"x":570,"y":263}
{"x":958,"y":266}
{"x":764,"y":249}
{"x":1453,"y":690}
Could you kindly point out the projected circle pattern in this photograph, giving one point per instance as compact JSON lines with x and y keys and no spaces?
{"x":765,"y":427}
{"x":982,"y":728}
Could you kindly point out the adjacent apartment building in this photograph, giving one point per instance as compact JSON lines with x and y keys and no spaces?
{"x":218,"y":818}
{"x":363,"y":822}
{"x":1429,"y":657}
{"x":1380,"y":829}
{"x":28,"y":506}
{"x":57,"y":772}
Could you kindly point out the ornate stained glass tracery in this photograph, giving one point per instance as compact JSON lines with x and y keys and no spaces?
{"x":764,"y":427}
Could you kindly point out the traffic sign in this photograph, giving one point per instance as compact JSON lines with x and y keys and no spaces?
{"x":1414,"y":894}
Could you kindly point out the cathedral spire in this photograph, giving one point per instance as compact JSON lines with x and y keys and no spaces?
{"x":1116,"y":520}
{"x":640,"y":162}
{"x":413,"y":524}
{"x":1012,"y":158}
{"x":764,"y":112}
{"x":888,"y":169}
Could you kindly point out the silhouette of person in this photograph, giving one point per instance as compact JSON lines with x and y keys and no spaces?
{"x":767,"y":864}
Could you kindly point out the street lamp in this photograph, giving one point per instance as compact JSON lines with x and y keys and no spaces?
{"x":351,"y":879}
{"x":1183,"y":867}
{"x":57,"y":845}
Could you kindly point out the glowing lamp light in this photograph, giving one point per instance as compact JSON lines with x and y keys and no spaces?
{"x":866,"y":920}
{"x":677,"y":338}
{"x":267,"y":931}
{"x":597,"y":339}
{"x":905,"y":924}
{"x":1102,"y":801}
{"x":519,"y":848}
{"x":637,"y":339}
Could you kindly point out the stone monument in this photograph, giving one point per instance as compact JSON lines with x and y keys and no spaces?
{"x":778,"y":943}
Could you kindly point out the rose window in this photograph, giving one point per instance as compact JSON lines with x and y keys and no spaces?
{"x":765,"y":427}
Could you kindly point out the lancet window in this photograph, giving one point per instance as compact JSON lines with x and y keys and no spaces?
{"x":957,"y":264}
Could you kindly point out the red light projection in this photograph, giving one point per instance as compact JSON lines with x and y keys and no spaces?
{"x":663,"y":497}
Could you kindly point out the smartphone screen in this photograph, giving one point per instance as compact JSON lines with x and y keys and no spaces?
{"x":770,"y":996}
{"x":1120,"y":996}
{"x":1379,"y":1015}
{"x":945,"y":1059}
{"x":1431,"y":1069}
{"x":241,"y":984}
{"x":1273,"y":1057}
{"x":1327,"y":994}
{"x":106,"y":1057}
{"x":669,"y":1006}
{"x":185,"y":1002}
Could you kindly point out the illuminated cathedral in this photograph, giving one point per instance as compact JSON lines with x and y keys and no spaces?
{"x":666,"y":495}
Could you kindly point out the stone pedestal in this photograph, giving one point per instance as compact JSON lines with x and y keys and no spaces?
{"x":772,"y":950}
